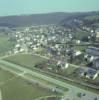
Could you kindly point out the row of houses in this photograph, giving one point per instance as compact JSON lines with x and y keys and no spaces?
{"x":92,"y":55}
{"x":87,"y":72}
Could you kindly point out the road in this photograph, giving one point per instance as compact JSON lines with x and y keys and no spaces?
{"x":73,"y":90}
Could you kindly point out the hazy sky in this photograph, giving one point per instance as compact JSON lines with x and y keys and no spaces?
{"x":13,"y":7}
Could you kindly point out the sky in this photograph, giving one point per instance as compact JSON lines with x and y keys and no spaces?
{"x":17,"y":7}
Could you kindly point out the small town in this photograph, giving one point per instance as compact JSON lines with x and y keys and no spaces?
{"x":50,"y":55}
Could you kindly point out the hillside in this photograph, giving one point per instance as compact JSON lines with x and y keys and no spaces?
{"x":78,"y":19}
{"x":61,"y":18}
{"x":35,"y":19}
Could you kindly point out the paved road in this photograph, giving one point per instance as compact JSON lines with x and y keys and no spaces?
{"x":72,"y":89}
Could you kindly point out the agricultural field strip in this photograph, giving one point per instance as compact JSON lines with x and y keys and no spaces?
{"x":34,"y":79}
{"x":52,"y":80}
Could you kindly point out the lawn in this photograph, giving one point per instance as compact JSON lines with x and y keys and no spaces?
{"x":5,"y":44}
{"x":26,"y":60}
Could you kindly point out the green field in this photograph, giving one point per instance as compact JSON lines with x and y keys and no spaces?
{"x":26,"y":60}
{"x":29,"y":61}
{"x":16,"y":88}
{"x":5,"y":44}
{"x":5,"y":76}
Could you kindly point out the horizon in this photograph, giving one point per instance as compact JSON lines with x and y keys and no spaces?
{"x":21,"y":7}
{"x":27,"y":14}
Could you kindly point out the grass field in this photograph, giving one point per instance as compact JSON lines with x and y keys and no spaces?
{"x":26,"y":60}
{"x":16,"y":88}
{"x":5,"y":76}
{"x":5,"y":44}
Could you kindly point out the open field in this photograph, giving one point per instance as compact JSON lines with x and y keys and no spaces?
{"x":5,"y":44}
{"x":27,"y":60}
{"x":5,"y":76}
{"x":13,"y":87}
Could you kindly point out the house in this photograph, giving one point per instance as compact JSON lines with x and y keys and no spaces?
{"x":92,"y":51}
{"x":78,"y":41}
{"x":88,"y":73}
{"x":96,"y":64}
{"x":80,"y":72}
{"x":62,"y":65}
{"x":89,"y":58}
{"x":66,"y":66}
{"x":91,"y":74}
{"x":77,"y":53}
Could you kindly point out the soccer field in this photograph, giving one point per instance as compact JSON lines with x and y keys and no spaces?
{"x":13,"y":87}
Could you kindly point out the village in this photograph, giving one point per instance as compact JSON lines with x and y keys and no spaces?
{"x":64,"y":51}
